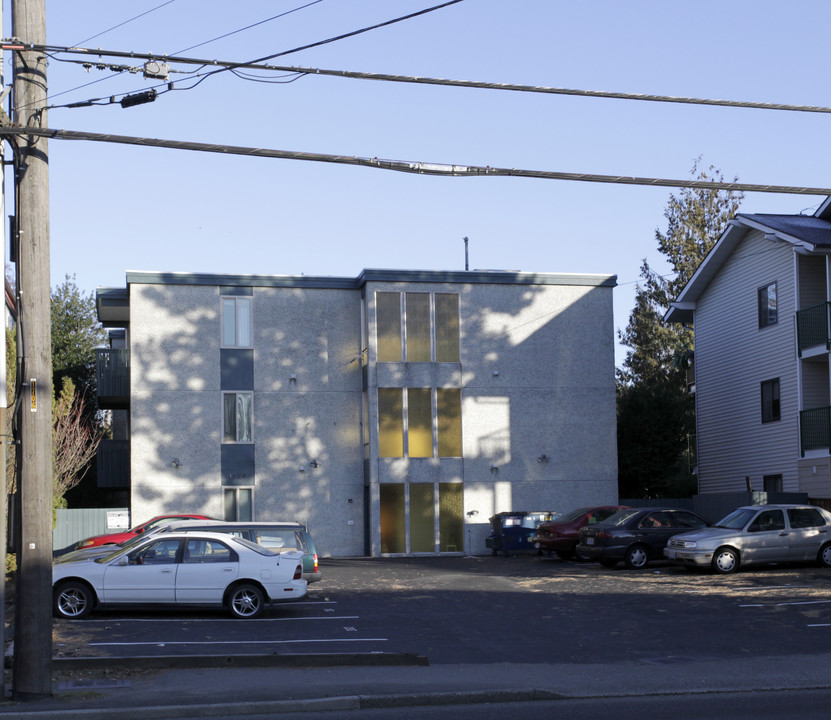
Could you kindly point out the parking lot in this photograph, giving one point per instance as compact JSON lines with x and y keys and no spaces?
{"x":527,"y":609}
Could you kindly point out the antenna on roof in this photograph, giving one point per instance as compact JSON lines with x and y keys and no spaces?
{"x":466,"y":267}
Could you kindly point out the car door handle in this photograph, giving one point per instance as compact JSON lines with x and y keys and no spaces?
{"x":782,"y":534}
{"x":227,"y":569}
{"x":166,"y":572}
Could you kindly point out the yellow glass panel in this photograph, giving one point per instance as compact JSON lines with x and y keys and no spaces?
{"x":449,"y":412}
{"x":447,"y":327}
{"x":392,"y":519}
{"x":388,"y":326}
{"x":418,"y":327}
{"x":419,"y":422}
{"x":451,"y":517}
{"x":390,"y":422}
{"x":422,"y":518}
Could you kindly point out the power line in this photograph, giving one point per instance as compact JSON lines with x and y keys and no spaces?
{"x":227,"y":66}
{"x":125,"y":22}
{"x":420,"y":168}
{"x":248,"y":27}
{"x":387,"y":77}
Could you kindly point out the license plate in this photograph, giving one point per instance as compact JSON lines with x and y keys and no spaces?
{"x":589,"y":541}
{"x":671,"y":554}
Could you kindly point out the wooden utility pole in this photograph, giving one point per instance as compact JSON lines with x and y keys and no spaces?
{"x":32,"y":667}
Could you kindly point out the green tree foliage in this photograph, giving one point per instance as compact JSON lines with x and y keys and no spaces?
{"x":656,"y":414}
{"x":76,"y":333}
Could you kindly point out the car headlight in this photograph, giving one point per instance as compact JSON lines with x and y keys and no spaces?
{"x":689,"y":544}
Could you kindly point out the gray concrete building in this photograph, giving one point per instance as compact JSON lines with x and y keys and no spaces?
{"x":394,"y":413}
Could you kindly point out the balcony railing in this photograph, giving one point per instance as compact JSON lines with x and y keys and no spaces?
{"x":112,"y":371}
{"x":815,"y":429}
{"x":813,"y":326}
{"x":114,"y":464}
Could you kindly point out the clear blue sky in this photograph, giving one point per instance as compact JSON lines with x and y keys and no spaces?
{"x":117,"y":208}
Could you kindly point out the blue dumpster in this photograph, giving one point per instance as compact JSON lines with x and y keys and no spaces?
{"x":511,"y":532}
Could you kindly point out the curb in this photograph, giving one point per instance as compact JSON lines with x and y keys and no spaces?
{"x":293,"y":660}
{"x":347,"y":702}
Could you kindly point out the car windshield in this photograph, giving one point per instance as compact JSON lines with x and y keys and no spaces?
{"x":119,"y":550}
{"x":737,"y":519}
{"x":620,"y":517}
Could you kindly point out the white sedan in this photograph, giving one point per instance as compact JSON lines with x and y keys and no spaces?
{"x":180,"y":568}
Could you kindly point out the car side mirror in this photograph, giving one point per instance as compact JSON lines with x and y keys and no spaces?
{"x":123,"y":560}
{"x":754,"y":528}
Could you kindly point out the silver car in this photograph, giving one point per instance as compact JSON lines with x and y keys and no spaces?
{"x":757,"y":534}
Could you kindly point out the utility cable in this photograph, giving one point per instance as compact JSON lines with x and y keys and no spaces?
{"x":386,"y":77}
{"x":420,"y":168}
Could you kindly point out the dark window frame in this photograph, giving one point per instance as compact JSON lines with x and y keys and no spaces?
{"x":771,"y":400}
{"x":767,"y":316}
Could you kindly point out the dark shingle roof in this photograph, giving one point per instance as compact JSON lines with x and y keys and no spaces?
{"x":808,"y":228}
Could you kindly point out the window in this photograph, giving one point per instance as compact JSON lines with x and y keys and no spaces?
{"x":805,"y":517}
{"x":687,"y":520}
{"x":208,"y":551}
{"x":418,"y":327}
{"x":772,"y":483}
{"x":237,"y":416}
{"x":422,"y":328}
{"x":236,"y":322}
{"x":162,"y":552}
{"x":388,"y":325}
{"x":768,"y":520}
{"x":390,"y":422}
{"x":447,"y":327}
{"x":768,"y":314}
{"x":770,"y":401}
{"x":414,"y":422}
{"x":449,"y":416}
{"x":238,"y":504}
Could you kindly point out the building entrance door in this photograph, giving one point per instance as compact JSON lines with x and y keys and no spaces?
{"x":422,"y":518}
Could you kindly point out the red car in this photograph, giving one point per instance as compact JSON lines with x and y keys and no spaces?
{"x":119,"y":537}
{"x":562,"y":535}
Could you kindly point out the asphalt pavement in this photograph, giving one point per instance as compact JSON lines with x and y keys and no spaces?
{"x":425,"y":672}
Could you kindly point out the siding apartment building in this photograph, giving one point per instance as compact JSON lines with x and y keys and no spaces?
{"x":394,"y":413}
{"x":760,"y":304}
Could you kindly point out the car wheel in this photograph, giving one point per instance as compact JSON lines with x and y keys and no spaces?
{"x":246,"y":601}
{"x":824,"y":556}
{"x":608,"y":563}
{"x":72,"y":600}
{"x":636,"y":557}
{"x":725,"y":560}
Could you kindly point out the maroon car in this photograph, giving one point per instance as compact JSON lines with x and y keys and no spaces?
{"x":562,"y":535}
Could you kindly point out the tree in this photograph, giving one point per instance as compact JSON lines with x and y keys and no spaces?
{"x":656,"y":414}
{"x":75,"y":440}
{"x":76,"y":333}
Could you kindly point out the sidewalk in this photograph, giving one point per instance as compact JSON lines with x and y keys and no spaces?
{"x":275,"y":684}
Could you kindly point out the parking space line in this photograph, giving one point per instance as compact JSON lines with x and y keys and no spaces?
{"x":166,"y":643}
{"x":791,"y":602}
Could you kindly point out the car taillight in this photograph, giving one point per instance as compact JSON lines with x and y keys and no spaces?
{"x":85,"y":543}
{"x":315,"y":556}
{"x":298,"y":573}
{"x":603,"y":534}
